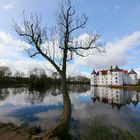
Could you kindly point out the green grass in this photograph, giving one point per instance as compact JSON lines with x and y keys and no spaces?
{"x":98,"y":132}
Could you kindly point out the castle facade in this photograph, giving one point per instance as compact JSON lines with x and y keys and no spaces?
{"x":113,"y":76}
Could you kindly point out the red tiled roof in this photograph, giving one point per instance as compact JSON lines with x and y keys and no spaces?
{"x":104,"y":72}
{"x":116,"y":69}
{"x":125,"y":71}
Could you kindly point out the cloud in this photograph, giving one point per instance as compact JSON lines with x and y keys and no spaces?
{"x":138,"y":71}
{"x":7,"y":39}
{"x":117,"y":53}
{"x":12,"y":54}
{"x":8,"y":6}
{"x":25,"y":65}
{"x":11,"y":48}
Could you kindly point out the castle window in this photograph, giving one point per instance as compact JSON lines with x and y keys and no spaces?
{"x":116,"y":81}
{"x":116,"y":77}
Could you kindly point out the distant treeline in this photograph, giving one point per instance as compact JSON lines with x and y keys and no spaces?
{"x":37,"y":77}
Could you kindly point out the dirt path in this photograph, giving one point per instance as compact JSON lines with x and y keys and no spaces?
{"x":11,"y":132}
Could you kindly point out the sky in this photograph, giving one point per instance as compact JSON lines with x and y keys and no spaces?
{"x":117,"y":22}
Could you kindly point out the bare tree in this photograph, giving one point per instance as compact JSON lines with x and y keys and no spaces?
{"x":58,"y":45}
{"x":18,"y":74}
{"x":37,"y":72}
{"x":5,"y":71}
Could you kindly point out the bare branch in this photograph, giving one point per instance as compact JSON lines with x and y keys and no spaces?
{"x":60,"y":39}
{"x":32,"y":55}
{"x":49,"y":59}
{"x":80,"y":54}
{"x":80,"y":24}
{"x":33,"y":34}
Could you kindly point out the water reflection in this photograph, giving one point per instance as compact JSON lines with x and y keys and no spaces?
{"x":115,"y":97}
{"x":115,"y":107}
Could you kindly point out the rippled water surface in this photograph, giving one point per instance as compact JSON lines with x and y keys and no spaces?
{"x":112,"y":107}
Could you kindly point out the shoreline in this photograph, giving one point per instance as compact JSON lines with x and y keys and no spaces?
{"x":128,"y":87}
{"x":125,"y":87}
{"x":15,"y":132}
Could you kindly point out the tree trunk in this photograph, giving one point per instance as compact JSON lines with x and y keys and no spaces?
{"x":60,"y":129}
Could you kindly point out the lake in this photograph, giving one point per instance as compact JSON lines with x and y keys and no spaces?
{"x":111,"y":107}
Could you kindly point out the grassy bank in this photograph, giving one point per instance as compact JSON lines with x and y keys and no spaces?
{"x":11,"y":132}
{"x":94,"y":131}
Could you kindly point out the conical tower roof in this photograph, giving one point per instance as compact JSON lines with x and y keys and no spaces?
{"x":93,"y":72}
{"x":135,"y":103}
{"x":116,"y":68}
{"x":132,"y":72}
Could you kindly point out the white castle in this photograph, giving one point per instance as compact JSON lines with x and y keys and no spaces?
{"x":113,"y":76}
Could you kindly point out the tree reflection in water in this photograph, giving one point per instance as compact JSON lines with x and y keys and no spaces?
{"x":38,"y":106}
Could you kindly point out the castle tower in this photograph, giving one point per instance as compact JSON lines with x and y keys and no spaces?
{"x":117,"y":76}
{"x":93,"y":79}
{"x":133,"y":77}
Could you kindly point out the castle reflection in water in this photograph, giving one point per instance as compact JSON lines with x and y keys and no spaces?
{"x":115,"y":97}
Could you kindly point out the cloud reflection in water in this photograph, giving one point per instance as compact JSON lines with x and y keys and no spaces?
{"x":113,"y":106}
